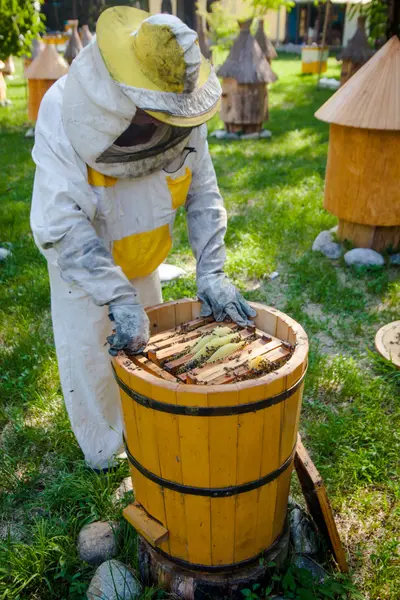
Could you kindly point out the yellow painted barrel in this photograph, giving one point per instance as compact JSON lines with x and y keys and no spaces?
{"x":312,"y":57}
{"x":36,"y":90}
{"x":211,"y":465}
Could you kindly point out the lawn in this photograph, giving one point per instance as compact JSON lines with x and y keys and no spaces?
{"x":273,"y":191}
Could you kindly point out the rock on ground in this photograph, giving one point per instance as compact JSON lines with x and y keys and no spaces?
{"x":324,"y":243}
{"x":304,"y":562}
{"x":4,"y":253}
{"x":395,"y":259}
{"x":125,"y":487}
{"x":364,"y":257}
{"x":170,"y":272}
{"x":97,"y":542}
{"x":303,"y":533}
{"x":113,"y":581}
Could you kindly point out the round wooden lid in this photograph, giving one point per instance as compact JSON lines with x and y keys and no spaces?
{"x":387,"y":342}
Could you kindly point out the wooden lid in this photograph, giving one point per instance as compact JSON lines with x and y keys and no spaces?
{"x":246,"y":62}
{"x":387,"y":342}
{"x":48,"y":65}
{"x":370,"y":98}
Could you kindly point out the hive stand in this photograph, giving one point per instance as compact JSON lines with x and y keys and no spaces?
{"x":362,"y":174}
{"x":356,"y":53}
{"x":246,"y":74}
{"x":44,"y":70}
{"x":211,"y":461}
{"x":264,"y":42}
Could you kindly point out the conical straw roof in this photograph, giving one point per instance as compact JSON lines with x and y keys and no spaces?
{"x":48,"y":65}
{"x":265,"y":44}
{"x":74,"y":45}
{"x":357,"y":50}
{"x":87,"y":35}
{"x":246,"y":62}
{"x":370,"y":99}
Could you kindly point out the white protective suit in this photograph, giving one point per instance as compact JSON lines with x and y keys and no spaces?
{"x":84,"y":212}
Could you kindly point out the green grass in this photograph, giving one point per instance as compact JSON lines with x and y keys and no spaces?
{"x":273,"y":191}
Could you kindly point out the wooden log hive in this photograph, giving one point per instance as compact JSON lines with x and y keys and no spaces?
{"x":245,"y":73}
{"x":74,"y":45}
{"x":314,"y":59}
{"x":356,"y":53}
{"x":362,"y":175}
{"x":212,"y":463}
{"x":44,"y":70}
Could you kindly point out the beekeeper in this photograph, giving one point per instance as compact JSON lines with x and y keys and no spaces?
{"x":120,"y":146}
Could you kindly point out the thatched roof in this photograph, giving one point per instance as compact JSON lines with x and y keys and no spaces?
{"x":357,"y":49}
{"x":246,"y":62}
{"x":265,"y":44}
{"x":74,"y":45}
{"x":370,"y":98}
{"x":48,"y":65}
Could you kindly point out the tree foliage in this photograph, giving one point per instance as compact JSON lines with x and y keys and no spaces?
{"x":20,"y":23}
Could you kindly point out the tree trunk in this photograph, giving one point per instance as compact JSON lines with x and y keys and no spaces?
{"x":186,"y":11}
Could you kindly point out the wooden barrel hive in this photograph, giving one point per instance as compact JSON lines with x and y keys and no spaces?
{"x":246,"y":73}
{"x":44,"y":70}
{"x":314,"y":59}
{"x":362,"y":175}
{"x":356,"y":53}
{"x":211,"y":464}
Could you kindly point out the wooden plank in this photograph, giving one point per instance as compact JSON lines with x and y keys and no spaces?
{"x":195,"y":457}
{"x":150,"y":367}
{"x":318,"y":503}
{"x":209,"y":372}
{"x":178,"y":338}
{"x":276,"y":357}
{"x":223,"y":433}
{"x":149,"y":528}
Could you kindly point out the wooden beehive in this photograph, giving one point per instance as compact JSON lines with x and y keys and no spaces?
{"x":47,"y":67}
{"x":211,"y":463}
{"x":356,"y":53}
{"x":246,"y":74}
{"x":362,"y":176}
{"x":74,"y":45}
{"x":314,"y":59}
{"x":265,"y":44}
{"x":3,"y":85}
{"x":86,"y":35}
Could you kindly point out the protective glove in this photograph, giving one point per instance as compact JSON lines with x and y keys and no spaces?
{"x":131,"y":328}
{"x":220,"y":298}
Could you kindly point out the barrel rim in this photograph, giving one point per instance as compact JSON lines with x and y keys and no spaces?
{"x":290,"y":368}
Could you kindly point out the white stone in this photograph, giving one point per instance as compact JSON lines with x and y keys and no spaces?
{"x":97,"y":542}
{"x":232,"y":136}
{"x":303,"y":533}
{"x":250,"y":136}
{"x":364,"y":257}
{"x":4,"y":253}
{"x":394,"y":259}
{"x":113,"y":581}
{"x":265,"y":134}
{"x":125,"y":487}
{"x":170,"y":272}
{"x":324,"y":243}
{"x":30,"y":133}
{"x":274,"y":275}
{"x":219,"y":134}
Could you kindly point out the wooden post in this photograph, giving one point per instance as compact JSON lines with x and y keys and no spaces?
{"x":326,"y":19}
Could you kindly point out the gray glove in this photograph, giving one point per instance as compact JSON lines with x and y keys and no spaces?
{"x":220,"y":298}
{"x":131,"y":328}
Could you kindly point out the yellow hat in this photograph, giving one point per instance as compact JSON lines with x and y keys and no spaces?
{"x":157,"y":62}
